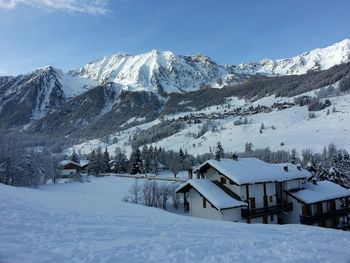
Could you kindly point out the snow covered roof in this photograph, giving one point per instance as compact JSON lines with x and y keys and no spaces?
{"x":253,"y":170}
{"x":65,"y":162}
{"x":322,"y":191}
{"x":216,"y":196}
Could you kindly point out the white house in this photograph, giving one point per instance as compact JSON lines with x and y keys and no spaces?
{"x":324,"y":204}
{"x":246,"y":190}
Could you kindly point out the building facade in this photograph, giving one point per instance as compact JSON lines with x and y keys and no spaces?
{"x":256,"y":192}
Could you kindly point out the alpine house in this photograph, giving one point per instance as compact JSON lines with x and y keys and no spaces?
{"x":253,"y":191}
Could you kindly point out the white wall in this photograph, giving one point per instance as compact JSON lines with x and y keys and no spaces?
{"x":293,"y":184}
{"x":197,"y":210}
{"x":233,"y":214}
{"x":68,"y":172}
{"x":293,"y":217}
{"x":196,"y":207}
{"x":257,"y":191}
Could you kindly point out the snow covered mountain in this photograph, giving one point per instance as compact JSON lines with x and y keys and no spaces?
{"x":315,"y":60}
{"x":157,"y":72}
{"x":159,"y":75}
{"x":31,"y":96}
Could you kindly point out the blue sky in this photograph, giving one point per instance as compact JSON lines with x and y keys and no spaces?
{"x":70,"y":33}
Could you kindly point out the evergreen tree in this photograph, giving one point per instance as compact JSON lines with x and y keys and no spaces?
{"x":153,"y":160}
{"x":121,"y":164}
{"x":248,"y":150}
{"x":146,"y":159}
{"x":219,"y":152}
{"x":74,"y":157}
{"x":136,"y":164}
{"x":92,"y":167}
{"x":182,"y":159}
{"x":105,"y":162}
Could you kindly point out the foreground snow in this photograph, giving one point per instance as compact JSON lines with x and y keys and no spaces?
{"x":88,"y":223}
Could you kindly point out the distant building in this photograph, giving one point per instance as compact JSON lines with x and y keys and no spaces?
{"x":69,"y":169}
{"x":250,"y":190}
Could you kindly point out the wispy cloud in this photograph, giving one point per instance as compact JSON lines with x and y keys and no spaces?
{"x":94,"y":7}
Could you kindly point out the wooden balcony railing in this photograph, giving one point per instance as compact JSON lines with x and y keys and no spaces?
{"x":310,"y":220}
{"x":265,"y":211}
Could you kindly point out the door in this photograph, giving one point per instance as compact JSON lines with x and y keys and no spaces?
{"x":305,"y":210}
{"x":252,"y":203}
{"x":266,"y":201}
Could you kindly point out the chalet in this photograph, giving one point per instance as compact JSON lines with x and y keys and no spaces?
{"x":68,"y":168}
{"x":250,"y":190}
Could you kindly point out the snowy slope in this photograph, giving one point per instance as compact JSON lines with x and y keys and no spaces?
{"x":155,"y":71}
{"x":88,"y":223}
{"x":292,"y":127}
{"x":317,"y":59}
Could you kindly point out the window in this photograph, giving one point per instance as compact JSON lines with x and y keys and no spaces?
{"x":223,"y":180}
{"x":272,"y":218}
{"x":252,"y":203}
{"x":270,"y":198}
{"x":231,"y":182}
{"x":332,"y":205}
{"x":305,"y":210}
{"x":204,"y":203}
{"x":319,"y":209}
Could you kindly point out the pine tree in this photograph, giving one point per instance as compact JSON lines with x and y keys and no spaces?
{"x":136,"y":164}
{"x":146,"y":159}
{"x":74,"y":157}
{"x":182,"y":159}
{"x":92,"y":165}
{"x":248,"y":149}
{"x":337,"y":176}
{"x":105,"y":162}
{"x":121,"y":164}
{"x":219,"y":152}
{"x":153,"y":160}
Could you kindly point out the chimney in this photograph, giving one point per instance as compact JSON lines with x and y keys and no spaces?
{"x":190,"y":173}
{"x":235,"y":157}
{"x":285,"y":168}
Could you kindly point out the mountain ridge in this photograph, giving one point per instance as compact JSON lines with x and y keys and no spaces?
{"x":29,"y":97}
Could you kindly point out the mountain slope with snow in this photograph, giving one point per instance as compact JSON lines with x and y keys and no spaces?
{"x":32,"y":96}
{"x":315,"y":60}
{"x":89,"y":223}
{"x":29,"y":97}
{"x":160,"y":72}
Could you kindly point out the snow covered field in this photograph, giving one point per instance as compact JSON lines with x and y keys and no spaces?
{"x":89,"y":223}
{"x":292,"y":129}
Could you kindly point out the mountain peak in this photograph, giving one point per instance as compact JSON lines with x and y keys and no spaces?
{"x":317,"y":59}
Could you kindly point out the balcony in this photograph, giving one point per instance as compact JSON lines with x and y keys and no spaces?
{"x":265,"y":211}
{"x":310,"y":220}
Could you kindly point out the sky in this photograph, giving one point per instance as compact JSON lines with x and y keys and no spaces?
{"x":70,"y":33}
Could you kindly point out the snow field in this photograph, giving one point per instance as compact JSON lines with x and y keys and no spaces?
{"x":89,"y":223}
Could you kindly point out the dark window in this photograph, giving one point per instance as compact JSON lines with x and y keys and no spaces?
{"x":332,"y":205}
{"x":252,"y":203}
{"x":204,"y":203}
{"x":223,"y":180}
{"x":271,"y":199}
{"x":272,"y":217}
{"x":319,"y":209}
{"x":231,"y":182}
{"x":305,"y":210}
{"x":265,"y":201}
